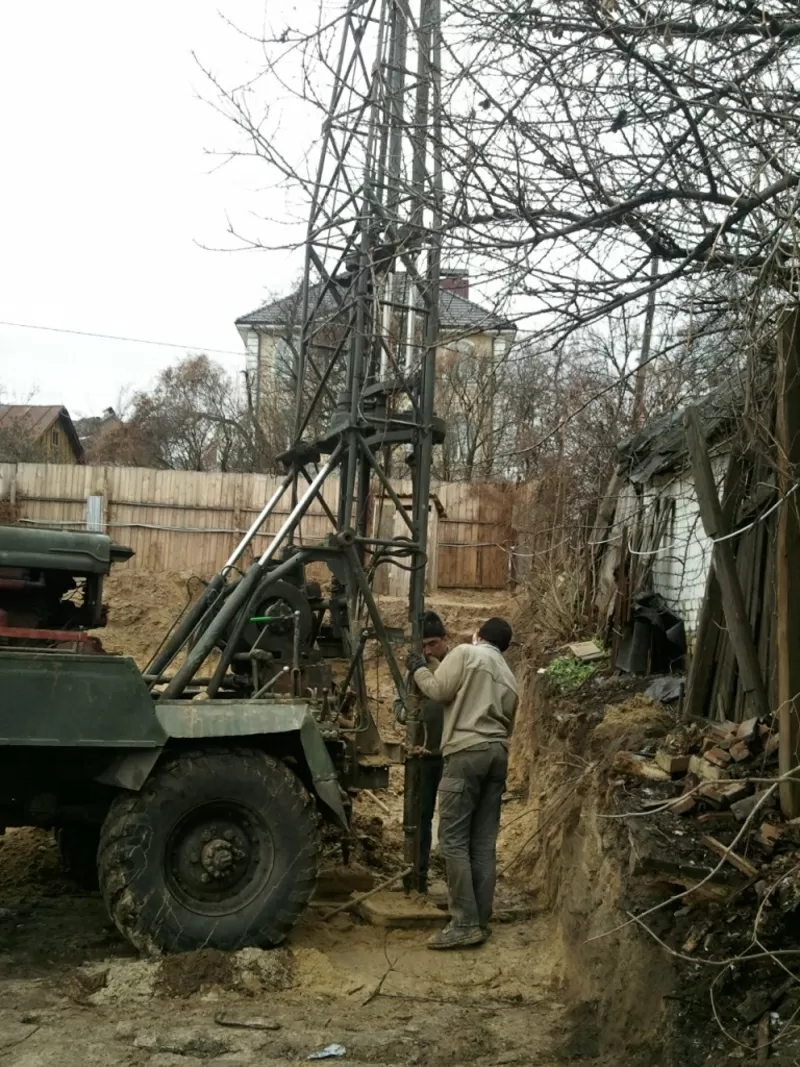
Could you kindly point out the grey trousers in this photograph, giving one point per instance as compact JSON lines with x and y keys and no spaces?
{"x":470,"y":795}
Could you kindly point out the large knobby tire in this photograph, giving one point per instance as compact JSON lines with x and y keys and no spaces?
{"x":218,"y":850}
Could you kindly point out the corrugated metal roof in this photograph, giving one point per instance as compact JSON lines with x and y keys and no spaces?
{"x":34,"y":420}
{"x":455,"y":312}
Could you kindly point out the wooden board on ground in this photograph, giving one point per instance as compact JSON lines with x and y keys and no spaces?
{"x":586,"y":651}
{"x":397,"y":911}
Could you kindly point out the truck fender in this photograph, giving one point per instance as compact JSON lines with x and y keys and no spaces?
{"x":205,"y":720}
{"x":129,"y":770}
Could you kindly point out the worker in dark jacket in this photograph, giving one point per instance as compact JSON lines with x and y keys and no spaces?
{"x":480,"y":696}
{"x":435,"y":648}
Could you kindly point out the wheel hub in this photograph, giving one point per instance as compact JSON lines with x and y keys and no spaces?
{"x":219,"y":856}
{"x":216,"y":856}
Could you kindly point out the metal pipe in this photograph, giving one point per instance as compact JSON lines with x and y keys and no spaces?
{"x":387,"y":485}
{"x":427,"y":75}
{"x":175,"y":640}
{"x":267,"y":510}
{"x":296,"y":656}
{"x":356,"y":657}
{"x":265,"y":688}
{"x":238,"y":598}
{"x":186,"y":626}
{"x":228,"y":652}
{"x":301,"y":507}
{"x":377,"y":621}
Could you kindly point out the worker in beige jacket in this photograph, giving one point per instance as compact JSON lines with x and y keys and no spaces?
{"x":480,"y":696}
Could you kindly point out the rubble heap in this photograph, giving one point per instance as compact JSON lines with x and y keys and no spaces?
{"x":718,"y":874}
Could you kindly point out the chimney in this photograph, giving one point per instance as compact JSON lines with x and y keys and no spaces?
{"x":455,"y":281}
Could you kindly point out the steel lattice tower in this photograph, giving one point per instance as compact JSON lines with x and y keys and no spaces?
{"x":365,"y":368}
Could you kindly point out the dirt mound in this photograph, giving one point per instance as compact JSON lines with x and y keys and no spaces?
{"x":141,"y":608}
{"x":250,"y":971}
{"x":29,"y":865}
{"x":184,"y":975}
{"x":630,"y":724}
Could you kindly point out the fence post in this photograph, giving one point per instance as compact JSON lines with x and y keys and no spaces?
{"x":724,"y":560}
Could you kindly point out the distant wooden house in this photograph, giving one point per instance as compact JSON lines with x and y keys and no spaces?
{"x":39,"y":432}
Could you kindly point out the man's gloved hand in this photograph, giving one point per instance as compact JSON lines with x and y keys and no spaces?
{"x":400,"y":712}
{"x":415,"y":660}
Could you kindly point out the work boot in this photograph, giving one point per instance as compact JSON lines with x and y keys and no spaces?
{"x":486,"y":931}
{"x":456,"y":937}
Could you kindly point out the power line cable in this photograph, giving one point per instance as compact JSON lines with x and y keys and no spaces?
{"x":114,"y":337}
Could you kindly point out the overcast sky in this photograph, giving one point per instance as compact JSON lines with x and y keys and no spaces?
{"x":108,"y":194}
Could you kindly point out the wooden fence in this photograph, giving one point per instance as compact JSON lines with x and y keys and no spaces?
{"x":191,"y":521}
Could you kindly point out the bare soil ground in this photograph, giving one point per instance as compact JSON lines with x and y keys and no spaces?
{"x":73,"y":992}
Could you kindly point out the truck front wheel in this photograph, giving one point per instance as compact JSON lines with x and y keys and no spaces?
{"x":218,"y":850}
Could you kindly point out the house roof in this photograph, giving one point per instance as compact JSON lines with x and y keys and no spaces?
{"x":455,"y":312}
{"x":34,"y":420}
{"x":88,"y":427}
{"x":661,"y":446}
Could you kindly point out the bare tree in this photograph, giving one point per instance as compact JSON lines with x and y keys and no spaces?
{"x":583,"y":139}
{"x":17,"y":446}
{"x":196,"y":417}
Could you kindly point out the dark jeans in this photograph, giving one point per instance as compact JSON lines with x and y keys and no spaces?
{"x":470,"y":796}
{"x":430,"y":774}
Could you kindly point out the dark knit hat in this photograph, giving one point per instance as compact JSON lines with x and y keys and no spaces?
{"x":496,"y":632}
{"x":432,"y":626}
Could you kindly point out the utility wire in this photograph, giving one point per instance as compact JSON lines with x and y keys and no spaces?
{"x":114,"y":337}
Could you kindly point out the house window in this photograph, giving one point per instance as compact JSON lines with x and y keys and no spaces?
{"x":54,"y":438}
{"x":500,"y":346}
{"x":252,"y":352}
{"x":468,"y":366}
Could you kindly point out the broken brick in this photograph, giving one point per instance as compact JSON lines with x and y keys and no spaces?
{"x":716,"y":818}
{"x":636,"y":767}
{"x":739,"y":751}
{"x":703,"y":769}
{"x":747,"y":730}
{"x":722,"y":731}
{"x":717,"y":756}
{"x":769,"y":835}
{"x":681,"y":805}
{"x":724,"y":793}
{"x":672,"y":764}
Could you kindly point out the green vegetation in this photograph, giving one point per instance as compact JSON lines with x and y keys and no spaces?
{"x":569,"y":673}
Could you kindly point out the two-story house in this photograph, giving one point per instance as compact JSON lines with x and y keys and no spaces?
{"x":474,"y":341}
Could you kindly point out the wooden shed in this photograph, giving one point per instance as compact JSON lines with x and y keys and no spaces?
{"x":46,"y":428}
